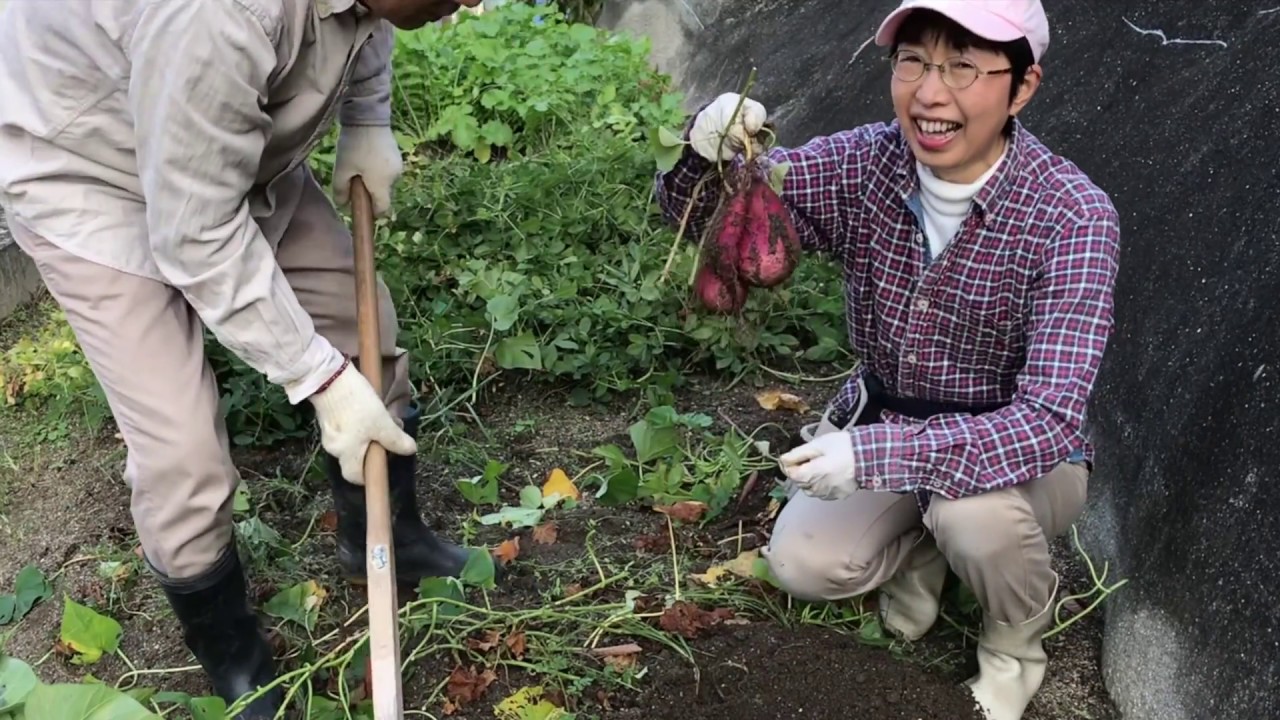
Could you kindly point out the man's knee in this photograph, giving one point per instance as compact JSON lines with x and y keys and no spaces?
{"x":976,"y":530}
{"x":808,"y":571}
{"x":183,"y":487}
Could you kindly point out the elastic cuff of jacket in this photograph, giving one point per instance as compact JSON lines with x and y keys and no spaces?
{"x":319,"y":363}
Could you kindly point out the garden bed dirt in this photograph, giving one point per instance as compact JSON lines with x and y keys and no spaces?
{"x":66,"y":509}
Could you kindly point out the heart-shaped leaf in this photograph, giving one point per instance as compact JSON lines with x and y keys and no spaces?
{"x":88,"y":632}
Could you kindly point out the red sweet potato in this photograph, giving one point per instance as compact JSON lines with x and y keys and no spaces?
{"x":720,"y":251}
{"x":716,"y":283}
{"x":770,"y":247}
{"x":719,"y":294}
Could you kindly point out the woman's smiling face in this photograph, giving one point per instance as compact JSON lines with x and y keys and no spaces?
{"x":955,"y":126}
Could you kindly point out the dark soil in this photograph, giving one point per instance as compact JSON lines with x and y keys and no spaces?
{"x":762,"y":671}
{"x":66,"y":509}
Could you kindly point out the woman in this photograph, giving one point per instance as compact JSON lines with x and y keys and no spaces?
{"x":979,"y":269}
{"x":153,"y":164}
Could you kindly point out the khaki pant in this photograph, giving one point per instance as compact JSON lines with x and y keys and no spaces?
{"x":146,"y":347}
{"x":997,"y":543}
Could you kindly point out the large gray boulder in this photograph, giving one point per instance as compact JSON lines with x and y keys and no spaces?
{"x":1170,"y":105}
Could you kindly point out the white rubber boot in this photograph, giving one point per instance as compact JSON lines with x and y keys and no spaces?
{"x":1011,"y":664}
{"x":910,"y":600}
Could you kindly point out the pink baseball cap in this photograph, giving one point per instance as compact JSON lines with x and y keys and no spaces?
{"x":998,"y":20}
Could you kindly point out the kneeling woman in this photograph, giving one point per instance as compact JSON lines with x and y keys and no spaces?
{"x":979,"y":270}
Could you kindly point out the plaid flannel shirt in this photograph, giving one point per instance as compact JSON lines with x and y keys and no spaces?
{"x":1016,"y":310}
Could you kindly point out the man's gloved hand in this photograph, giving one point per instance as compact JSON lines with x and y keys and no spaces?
{"x":351,"y":415}
{"x":371,"y":152}
{"x":822,"y":468}
{"x":713,"y":123}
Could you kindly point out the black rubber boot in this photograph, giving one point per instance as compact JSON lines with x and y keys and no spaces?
{"x":220,"y":628}
{"x":419,"y":552}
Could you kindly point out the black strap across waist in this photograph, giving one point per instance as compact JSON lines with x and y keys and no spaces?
{"x":879,"y":400}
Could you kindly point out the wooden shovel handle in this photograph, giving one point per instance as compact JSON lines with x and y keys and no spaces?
{"x":384,"y":638}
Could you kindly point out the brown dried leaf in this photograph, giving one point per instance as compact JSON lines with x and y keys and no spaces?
{"x":515,"y":642}
{"x":779,"y":400}
{"x":328,"y":522}
{"x":612,"y":650}
{"x":572,"y":589}
{"x":688,"y":511}
{"x":546,"y":533}
{"x":651,"y":543}
{"x":488,"y":642}
{"x":465,"y":685}
{"x":620,"y":662}
{"x":687,"y":619}
{"x":509,"y":550}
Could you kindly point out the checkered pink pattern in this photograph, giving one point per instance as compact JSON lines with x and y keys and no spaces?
{"x":1017,"y":309}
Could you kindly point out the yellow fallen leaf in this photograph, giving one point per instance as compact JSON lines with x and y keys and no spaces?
{"x":779,"y":400}
{"x":559,"y":484}
{"x":742,"y":566}
{"x":315,"y":596}
{"x":712,"y":576}
{"x":527,"y":703}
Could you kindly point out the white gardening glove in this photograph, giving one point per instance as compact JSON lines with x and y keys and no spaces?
{"x":713,"y":122}
{"x":371,"y":152}
{"x":351,"y":415}
{"x":823,"y":467}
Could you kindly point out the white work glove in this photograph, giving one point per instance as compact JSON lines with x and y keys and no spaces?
{"x":823,"y":467}
{"x":713,"y":122}
{"x":351,"y":415}
{"x":371,"y":152}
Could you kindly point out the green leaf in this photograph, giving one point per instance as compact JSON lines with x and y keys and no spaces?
{"x":515,"y":517}
{"x":299,"y":603}
{"x":669,"y":138}
{"x":8,"y":604}
{"x":172,"y":698}
{"x":612,"y":455}
{"x":479,"y":570}
{"x":482,"y":489}
{"x":620,"y":487}
{"x":30,"y":588}
{"x":17,"y":680}
{"x":83,"y":702}
{"x":208,"y":708}
{"x":445,"y":589}
{"x":665,"y":155}
{"x":496,"y":132}
{"x":89,"y":633}
{"x":241,"y":500}
{"x":503,"y":311}
{"x":520,"y":352}
{"x":531,"y":496}
{"x":778,"y":174}
{"x":652,"y":441}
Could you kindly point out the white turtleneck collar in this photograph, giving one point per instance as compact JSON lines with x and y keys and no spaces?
{"x":946,"y":203}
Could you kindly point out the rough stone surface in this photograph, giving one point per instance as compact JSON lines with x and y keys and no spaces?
{"x":19,"y":280}
{"x":1180,"y":134}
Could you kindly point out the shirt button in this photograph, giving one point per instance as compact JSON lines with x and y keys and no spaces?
{"x":922,"y":304}
{"x":911,"y":357}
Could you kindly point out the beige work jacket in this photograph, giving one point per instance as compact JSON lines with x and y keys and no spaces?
{"x":164,"y":138}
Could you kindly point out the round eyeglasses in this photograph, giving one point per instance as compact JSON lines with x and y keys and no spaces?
{"x":958,"y":73}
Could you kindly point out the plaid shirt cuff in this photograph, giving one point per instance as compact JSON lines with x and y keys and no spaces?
{"x":880,"y":457}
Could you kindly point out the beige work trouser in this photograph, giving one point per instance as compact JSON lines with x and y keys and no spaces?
{"x":997,"y":542}
{"x":146,"y":347}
